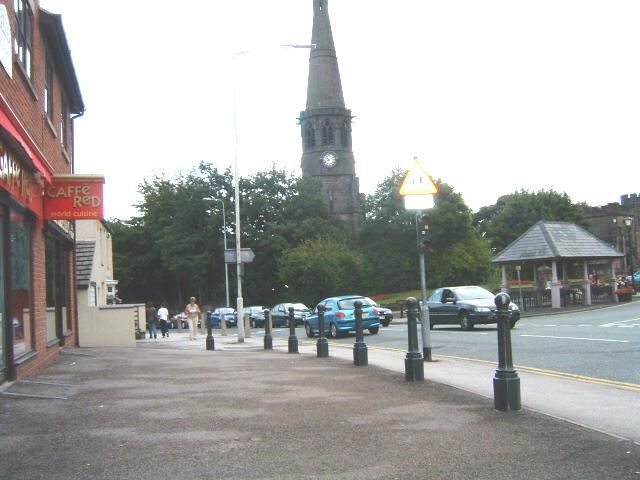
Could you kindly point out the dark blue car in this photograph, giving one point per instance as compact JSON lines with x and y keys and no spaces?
{"x":339,"y":316}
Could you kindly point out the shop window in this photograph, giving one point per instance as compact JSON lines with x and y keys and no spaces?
{"x":2,"y":292}
{"x":24,"y":34}
{"x":21,"y":318}
{"x":52,"y":332}
{"x":57,"y":272}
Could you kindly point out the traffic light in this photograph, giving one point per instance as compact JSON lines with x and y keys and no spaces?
{"x":424,"y":235}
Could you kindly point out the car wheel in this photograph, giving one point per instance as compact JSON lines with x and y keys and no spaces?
{"x":465,"y":323}
{"x":333,"y":330}
{"x":374,"y":330}
{"x":512,"y":324}
{"x":385,"y":324}
{"x":307,"y":329}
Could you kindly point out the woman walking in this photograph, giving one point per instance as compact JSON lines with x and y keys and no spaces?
{"x":192,"y":310}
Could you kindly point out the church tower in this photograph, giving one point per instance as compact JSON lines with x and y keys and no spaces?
{"x":326,"y":127}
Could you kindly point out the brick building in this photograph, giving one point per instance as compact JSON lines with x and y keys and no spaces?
{"x":39,"y":99}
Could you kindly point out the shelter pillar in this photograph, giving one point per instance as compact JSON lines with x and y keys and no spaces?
{"x":555,"y":286}
{"x":504,"y":287}
{"x":586,"y":284}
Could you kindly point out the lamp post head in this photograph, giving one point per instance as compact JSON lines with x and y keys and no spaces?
{"x":627,"y":221}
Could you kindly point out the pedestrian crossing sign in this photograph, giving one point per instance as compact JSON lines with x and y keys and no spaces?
{"x":418,"y":181}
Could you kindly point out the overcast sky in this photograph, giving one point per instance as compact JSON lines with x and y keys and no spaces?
{"x":492,"y":96}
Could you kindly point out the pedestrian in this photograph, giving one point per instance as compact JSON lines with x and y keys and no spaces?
{"x":152,"y":320}
{"x":163,"y":315}
{"x":192,"y":310}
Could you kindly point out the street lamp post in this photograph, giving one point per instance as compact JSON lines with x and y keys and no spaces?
{"x":236,"y":188}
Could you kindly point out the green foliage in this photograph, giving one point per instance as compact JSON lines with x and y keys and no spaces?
{"x":174,"y":247}
{"x":321,"y":268}
{"x":515,"y":213}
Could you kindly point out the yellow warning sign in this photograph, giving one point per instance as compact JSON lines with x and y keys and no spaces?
{"x":418,"y":181}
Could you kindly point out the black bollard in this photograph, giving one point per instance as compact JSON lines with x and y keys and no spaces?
{"x":268,"y":338}
{"x":506,"y":383}
{"x":413,"y":362}
{"x":211,"y":344}
{"x":322,"y":346}
{"x":293,"y":340}
{"x":360,"y":353}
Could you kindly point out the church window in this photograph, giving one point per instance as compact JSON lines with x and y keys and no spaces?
{"x":327,"y":134}
{"x":310,"y":137}
{"x":345,"y":139}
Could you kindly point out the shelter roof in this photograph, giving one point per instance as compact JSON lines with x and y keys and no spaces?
{"x":556,"y":240}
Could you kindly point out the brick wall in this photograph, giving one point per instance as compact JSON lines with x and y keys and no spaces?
{"x":23,"y":99}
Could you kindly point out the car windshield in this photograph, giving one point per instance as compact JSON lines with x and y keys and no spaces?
{"x":225,"y":310}
{"x":255,"y":310}
{"x":348,"y":303}
{"x":473,"y":293}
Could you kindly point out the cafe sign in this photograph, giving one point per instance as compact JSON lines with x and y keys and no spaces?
{"x":74,"y":197}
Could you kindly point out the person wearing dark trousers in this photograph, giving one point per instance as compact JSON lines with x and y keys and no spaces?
{"x":163,"y":316}
{"x":152,"y":320}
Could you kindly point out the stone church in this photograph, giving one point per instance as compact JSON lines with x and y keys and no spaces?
{"x":326,"y":127}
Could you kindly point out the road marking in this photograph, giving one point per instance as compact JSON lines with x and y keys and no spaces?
{"x":578,"y":338}
{"x":616,"y":324}
{"x":540,"y":371}
{"x":553,"y":373}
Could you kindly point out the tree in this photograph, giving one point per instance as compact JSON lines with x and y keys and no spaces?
{"x":388,"y":238}
{"x":322,"y":267}
{"x":514,"y":214}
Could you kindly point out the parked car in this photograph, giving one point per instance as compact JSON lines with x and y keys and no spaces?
{"x":386,"y":314}
{"x":256,"y":316}
{"x":280,"y":314}
{"x":229,"y":315}
{"x":339,"y":316}
{"x":466,"y":306}
{"x":635,"y":279}
{"x":179,"y":317}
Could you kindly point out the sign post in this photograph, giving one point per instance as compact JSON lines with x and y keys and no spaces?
{"x":418,"y":190}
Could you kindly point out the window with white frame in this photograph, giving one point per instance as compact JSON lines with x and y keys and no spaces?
{"x":24,"y":34}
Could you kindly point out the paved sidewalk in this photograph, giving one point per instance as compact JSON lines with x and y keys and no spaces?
{"x":169,"y":409}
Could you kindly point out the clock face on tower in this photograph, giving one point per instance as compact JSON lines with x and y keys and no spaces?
{"x":329,"y":159}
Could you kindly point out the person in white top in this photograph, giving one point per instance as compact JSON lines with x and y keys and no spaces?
{"x":163,"y":315}
{"x":192,"y":310}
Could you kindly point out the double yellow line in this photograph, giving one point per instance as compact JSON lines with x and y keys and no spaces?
{"x":634,"y":387}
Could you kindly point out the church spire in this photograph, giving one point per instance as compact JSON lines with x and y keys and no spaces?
{"x":324,"y":88}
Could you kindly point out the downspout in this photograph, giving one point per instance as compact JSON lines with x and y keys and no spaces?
{"x":75,"y":279}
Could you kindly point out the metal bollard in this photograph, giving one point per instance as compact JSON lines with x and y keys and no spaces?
{"x":293,"y":340}
{"x":322,"y":346}
{"x":360,"y":353}
{"x":211,"y":343}
{"x":506,"y":383}
{"x":268,"y":338}
{"x":413,"y":362}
